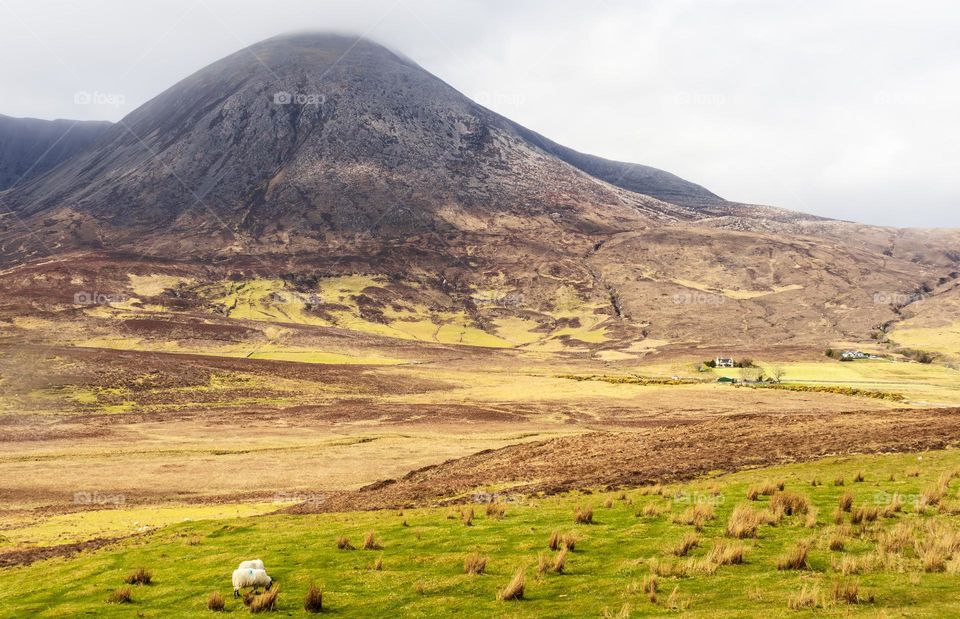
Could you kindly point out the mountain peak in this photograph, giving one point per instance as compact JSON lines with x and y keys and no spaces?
{"x":306,"y":138}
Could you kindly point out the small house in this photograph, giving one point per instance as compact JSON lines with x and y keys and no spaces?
{"x":850,"y":355}
{"x":723,"y":362}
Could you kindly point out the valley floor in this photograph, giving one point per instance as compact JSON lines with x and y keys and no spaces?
{"x":183,"y":440}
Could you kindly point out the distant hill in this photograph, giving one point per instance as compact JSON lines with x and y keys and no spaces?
{"x":30,"y":147}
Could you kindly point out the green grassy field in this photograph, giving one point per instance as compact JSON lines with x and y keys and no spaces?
{"x":904,"y":560}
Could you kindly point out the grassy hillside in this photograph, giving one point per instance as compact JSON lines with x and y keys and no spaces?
{"x":903,"y":559}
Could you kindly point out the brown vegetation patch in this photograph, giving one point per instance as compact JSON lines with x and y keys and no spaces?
{"x":661,"y":454}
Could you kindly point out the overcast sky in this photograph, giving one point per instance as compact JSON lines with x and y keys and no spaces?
{"x":843,"y":108}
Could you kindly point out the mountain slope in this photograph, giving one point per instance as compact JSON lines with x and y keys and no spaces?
{"x":310,"y":157}
{"x":630,"y":176}
{"x":30,"y":147}
{"x":369,"y":141}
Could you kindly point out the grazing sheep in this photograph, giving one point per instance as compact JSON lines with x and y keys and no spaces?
{"x":250,"y":577}
{"x":256,"y":564}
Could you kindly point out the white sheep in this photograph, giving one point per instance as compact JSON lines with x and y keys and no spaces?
{"x":256,"y":564}
{"x":249,"y":577}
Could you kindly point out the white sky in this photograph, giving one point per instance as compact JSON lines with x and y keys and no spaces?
{"x":844,"y":108}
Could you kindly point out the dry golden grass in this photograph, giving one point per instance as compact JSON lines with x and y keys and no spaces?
{"x":930,"y":497}
{"x":467,"y":517}
{"x":701,"y":565}
{"x":623,"y":613}
{"x":215,"y":602}
{"x":560,"y":562}
{"x":864,"y":513}
{"x":913,"y":472}
{"x":838,"y":481}
{"x":697,"y":515}
{"x":371,"y":542}
{"x":934,"y":560}
{"x":807,"y":598}
{"x":555,"y":540}
{"x":943,"y":535}
{"x":789,"y":503}
{"x":514,"y":589}
{"x":744,"y":521}
{"x":420,"y":588}
{"x":846,"y":501}
{"x":266,"y":601}
{"x":847,"y":591}
{"x":724,"y":553}
{"x":859,"y":477}
{"x":656,"y":489}
{"x":795,"y":558}
{"x":895,"y":506}
{"x":475,"y":563}
{"x":650,"y":585}
{"x":344,"y":544}
{"x":556,"y":565}
{"x":950,"y":508}
{"x":378,"y":564}
{"x":543,"y":563}
{"x":811,"y":520}
{"x":123,"y":595}
{"x":583,"y":515}
{"x":685,"y":545}
{"x":849,"y":564}
{"x":313,"y":601}
{"x":248,"y":597}
{"x":652,"y":510}
{"x":896,"y":538}
{"x":665,"y":568}
{"x":675,"y":602}
{"x":953,"y":566}
{"x":837,"y":541}
{"x":140,"y":576}
{"x":871,"y":562}
{"x":764,"y":488}
{"x":608,"y":503}
{"x":496,"y":510}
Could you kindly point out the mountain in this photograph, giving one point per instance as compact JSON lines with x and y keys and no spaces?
{"x":367,"y":139}
{"x":630,"y":176}
{"x":317,"y":155}
{"x":30,"y":147}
